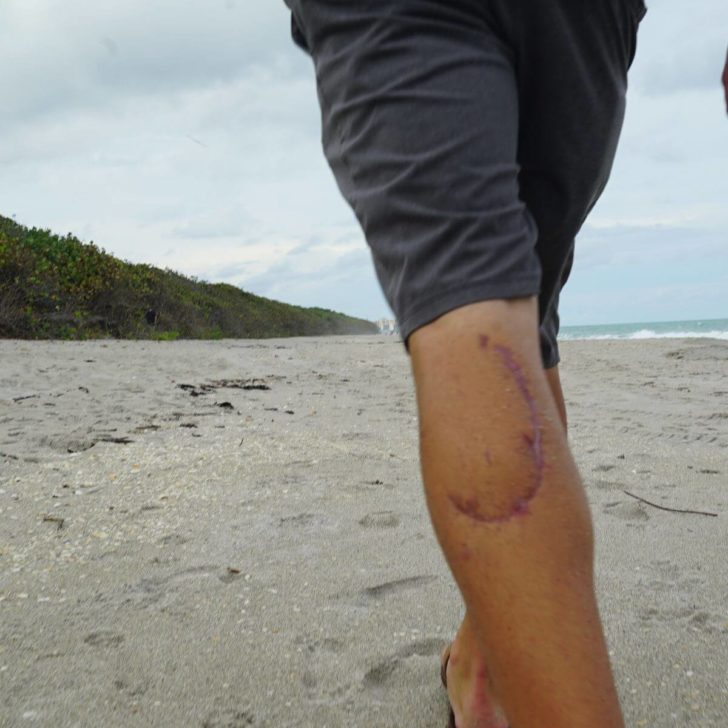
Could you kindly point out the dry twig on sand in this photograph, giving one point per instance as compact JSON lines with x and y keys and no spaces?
{"x":665,"y":508}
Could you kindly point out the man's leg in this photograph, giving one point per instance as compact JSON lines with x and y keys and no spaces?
{"x":510,"y":513}
{"x":470,"y":139}
{"x":469,"y":687}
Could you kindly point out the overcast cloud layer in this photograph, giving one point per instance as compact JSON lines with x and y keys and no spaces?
{"x":186,"y":135}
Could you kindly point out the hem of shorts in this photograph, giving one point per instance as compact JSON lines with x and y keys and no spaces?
{"x":443,"y":303}
{"x":553,"y":361}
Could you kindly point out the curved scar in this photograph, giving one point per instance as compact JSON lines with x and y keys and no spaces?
{"x":534,"y":443}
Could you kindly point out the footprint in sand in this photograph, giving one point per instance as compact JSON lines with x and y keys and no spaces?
{"x":666,"y":568}
{"x":381,"y":673}
{"x":630,"y":512}
{"x":700,"y":621}
{"x":130,"y":690}
{"x":303,"y":520}
{"x":395,"y":587}
{"x":308,"y":677}
{"x":104,"y":639}
{"x":380,"y":519}
{"x":326,"y":644}
{"x":709,"y":623}
{"x":229,"y":718}
{"x":608,"y":485}
{"x":162,"y":591}
{"x":173,"y":539}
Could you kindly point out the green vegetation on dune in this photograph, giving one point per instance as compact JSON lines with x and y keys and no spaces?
{"x":58,"y":287}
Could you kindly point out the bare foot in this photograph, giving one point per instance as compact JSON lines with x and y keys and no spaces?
{"x":468,"y":685}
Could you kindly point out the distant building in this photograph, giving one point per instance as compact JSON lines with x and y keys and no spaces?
{"x":388,"y":327}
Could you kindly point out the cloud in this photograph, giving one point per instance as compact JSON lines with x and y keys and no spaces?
{"x":345,"y":273}
{"x":647,"y":273}
{"x":644,"y":303}
{"x":217,"y":222}
{"x":682,"y":47}
{"x":225,"y":261}
{"x":651,"y":245}
{"x":84,"y":54}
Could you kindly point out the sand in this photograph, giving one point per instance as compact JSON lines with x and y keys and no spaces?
{"x":167,"y":559}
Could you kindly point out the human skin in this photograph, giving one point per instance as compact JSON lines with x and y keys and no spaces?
{"x":470,"y":690}
{"x":510,"y":513}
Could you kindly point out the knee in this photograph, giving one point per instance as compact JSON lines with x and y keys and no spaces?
{"x":462,"y":342}
{"x":513,"y":318}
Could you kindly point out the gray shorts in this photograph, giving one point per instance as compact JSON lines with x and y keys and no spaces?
{"x":471,"y":138}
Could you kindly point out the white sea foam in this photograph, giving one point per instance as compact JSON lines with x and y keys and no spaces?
{"x":647,"y":334}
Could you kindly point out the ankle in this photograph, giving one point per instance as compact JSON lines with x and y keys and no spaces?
{"x":469,"y":686}
{"x":465,"y":654}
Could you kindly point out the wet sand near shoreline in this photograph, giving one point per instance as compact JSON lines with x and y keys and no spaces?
{"x":233,"y":533}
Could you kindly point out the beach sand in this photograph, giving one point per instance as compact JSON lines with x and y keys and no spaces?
{"x":167,"y":559}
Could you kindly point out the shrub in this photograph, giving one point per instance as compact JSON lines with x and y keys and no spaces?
{"x":55,"y":286}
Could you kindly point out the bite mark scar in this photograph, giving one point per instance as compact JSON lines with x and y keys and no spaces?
{"x":534,"y":444}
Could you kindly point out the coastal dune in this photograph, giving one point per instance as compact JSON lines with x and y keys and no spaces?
{"x":232,"y":533}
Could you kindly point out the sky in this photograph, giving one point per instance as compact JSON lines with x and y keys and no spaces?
{"x":187,"y":136}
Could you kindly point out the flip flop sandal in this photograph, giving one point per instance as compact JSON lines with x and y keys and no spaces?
{"x":443,"y":677}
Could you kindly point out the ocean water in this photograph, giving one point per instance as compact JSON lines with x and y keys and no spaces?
{"x":710,"y":328}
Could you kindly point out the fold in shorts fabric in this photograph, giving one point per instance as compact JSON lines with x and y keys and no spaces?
{"x":471,"y":138}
